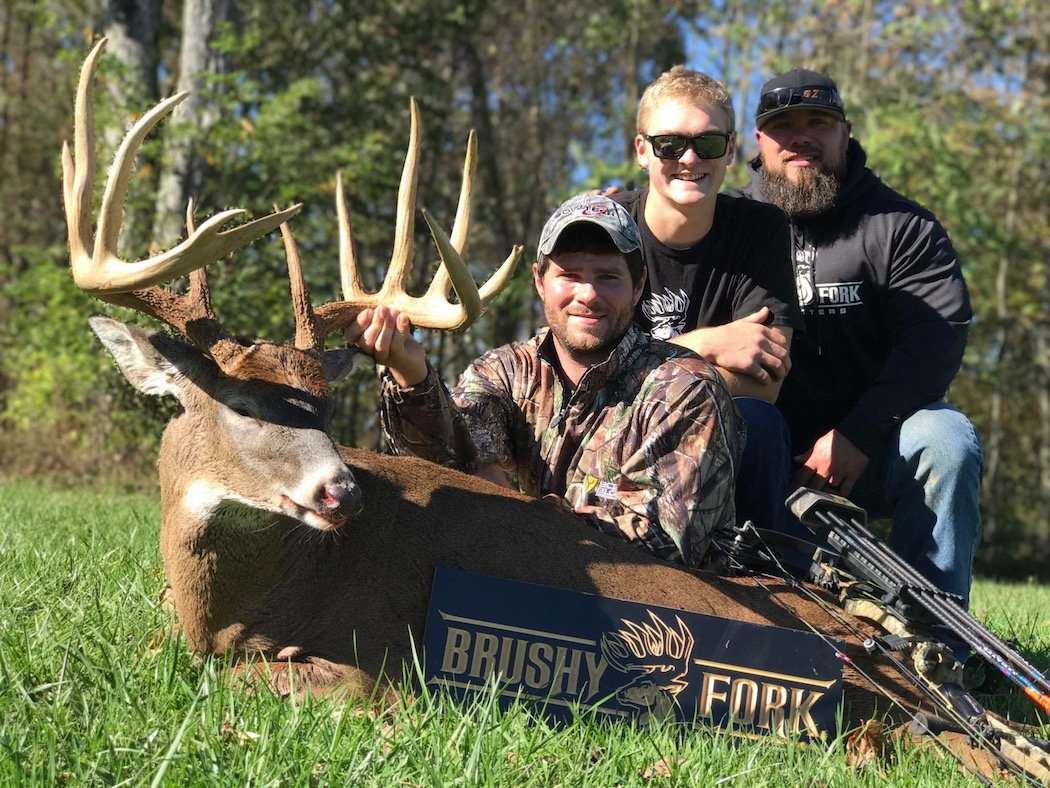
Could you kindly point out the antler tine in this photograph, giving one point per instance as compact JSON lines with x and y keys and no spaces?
{"x":78,"y":174}
{"x":404,"y":227}
{"x":349,"y":276}
{"x":111,"y":215}
{"x":199,"y":290}
{"x":461,"y":226}
{"x":495,"y":283}
{"x":469,"y":307}
{"x":307,"y":336}
{"x":439,"y":287}
{"x":103,"y":272}
{"x":190,"y":314}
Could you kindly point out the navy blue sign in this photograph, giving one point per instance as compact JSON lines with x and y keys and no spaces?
{"x":568,"y":650}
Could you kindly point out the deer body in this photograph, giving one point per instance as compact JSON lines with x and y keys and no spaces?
{"x":340,"y":609}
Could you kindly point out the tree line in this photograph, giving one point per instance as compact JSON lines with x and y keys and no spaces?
{"x":949,"y":97}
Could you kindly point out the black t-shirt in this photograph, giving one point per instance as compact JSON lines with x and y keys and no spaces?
{"x":741,"y":265}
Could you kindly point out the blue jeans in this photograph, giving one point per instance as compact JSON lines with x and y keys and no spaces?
{"x":765,"y":470}
{"x":928,"y":481}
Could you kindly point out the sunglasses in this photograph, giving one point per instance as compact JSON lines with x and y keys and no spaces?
{"x":709,"y":145}
{"x":805,"y":96}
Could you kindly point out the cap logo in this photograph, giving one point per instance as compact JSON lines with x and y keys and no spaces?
{"x":607,"y":214}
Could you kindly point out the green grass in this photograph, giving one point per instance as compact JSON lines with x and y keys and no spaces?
{"x":93,"y":692}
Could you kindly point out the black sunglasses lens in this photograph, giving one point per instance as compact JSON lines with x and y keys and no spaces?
{"x":673,"y":146}
{"x":784,"y":97}
{"x":710,"y":146}
{"x":669,"y":146}
{"x":770,"y":100}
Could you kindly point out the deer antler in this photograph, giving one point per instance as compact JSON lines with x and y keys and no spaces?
{"x":102,"y":272}
{"x":433,"y":310}
{"x":111,"y":279}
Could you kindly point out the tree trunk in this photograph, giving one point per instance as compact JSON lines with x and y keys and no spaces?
{"x":1002,"y":314}
{"x":1042,"y":348}
{"x":632,"y":92}
{"x":5,"y":47}
{"x":131,"y":27}
{"x":180,"y":177}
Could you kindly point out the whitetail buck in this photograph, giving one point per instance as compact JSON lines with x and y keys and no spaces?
{"x":279,"y":544}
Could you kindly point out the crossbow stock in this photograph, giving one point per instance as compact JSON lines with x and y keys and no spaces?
{"x":920,"y":623}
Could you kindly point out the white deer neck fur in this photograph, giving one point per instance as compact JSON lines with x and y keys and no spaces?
{"x":215,"y":545}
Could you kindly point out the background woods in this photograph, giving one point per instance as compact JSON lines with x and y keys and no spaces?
{"x":950,"y":99}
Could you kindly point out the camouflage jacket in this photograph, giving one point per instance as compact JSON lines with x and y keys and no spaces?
{"x":645,"y":446}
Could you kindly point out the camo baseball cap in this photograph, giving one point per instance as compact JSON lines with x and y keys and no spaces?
{"x":594,"y":209}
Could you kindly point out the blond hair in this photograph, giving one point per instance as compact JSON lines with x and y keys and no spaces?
{"x":685,"y":83}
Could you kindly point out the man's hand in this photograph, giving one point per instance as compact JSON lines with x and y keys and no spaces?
{"x":745,"y":347}
{"x":495,"y":474}
{"x":386,"y":335}
{"x":832,"y":462}
{"x":608,"y":191}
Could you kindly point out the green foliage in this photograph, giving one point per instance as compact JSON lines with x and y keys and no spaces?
{"x":66,"y":409}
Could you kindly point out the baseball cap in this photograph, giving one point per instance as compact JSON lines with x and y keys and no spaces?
{"x":593,"y":209}
{"x":799,"y":88}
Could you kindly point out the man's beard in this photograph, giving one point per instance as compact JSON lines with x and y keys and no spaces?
{"x":814,"y":193}
{"x":586,"y":347}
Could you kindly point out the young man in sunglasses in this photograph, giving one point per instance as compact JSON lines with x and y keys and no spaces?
{"x":886,"y":312}
{"x":719,"y":281}
{"x":639,"y":437}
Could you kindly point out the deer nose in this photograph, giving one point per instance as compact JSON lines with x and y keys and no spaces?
{"x":343,"y":497}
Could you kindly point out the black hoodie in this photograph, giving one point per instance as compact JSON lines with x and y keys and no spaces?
{"x":885,"y":307}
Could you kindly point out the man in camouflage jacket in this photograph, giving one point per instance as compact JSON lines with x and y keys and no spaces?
{"x":638,"y":436}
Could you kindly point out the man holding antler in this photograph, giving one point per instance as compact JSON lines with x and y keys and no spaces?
{"x":637,"y":435}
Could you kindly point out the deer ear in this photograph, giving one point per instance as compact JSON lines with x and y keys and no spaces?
{"x":337,"y":362}
{"x":153,"y":362}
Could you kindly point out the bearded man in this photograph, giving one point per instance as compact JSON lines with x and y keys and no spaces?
{"x":637,"y":436}
{"x":886,"y":313}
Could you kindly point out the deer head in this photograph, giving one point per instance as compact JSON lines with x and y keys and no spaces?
{"x":252,"y":431}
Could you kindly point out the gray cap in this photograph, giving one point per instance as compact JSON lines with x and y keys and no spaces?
{"x":594,"y":209}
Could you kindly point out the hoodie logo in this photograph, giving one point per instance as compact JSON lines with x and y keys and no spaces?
{"x":839,"y":294}
{"x":666,"y":312}
{"x":804,"y":258}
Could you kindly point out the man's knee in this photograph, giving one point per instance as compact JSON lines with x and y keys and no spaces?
{"x":764,"y":422}
{"x":942,"y":440}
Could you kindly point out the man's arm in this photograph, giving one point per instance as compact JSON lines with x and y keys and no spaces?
{"x":753,"y":352}
{"x":676,"y":479}
{"x":927,"y":318}
{"x":751,"y":357}
{"x":418,"y":416}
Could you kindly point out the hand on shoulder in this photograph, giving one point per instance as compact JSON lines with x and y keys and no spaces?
{"x":608,"y":191}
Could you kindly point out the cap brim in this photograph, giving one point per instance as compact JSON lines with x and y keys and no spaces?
{"x":794,"y":108}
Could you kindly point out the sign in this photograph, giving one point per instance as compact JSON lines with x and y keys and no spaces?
{"x":567,"y":650}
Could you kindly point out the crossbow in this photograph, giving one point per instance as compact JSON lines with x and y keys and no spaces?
{"x":920,"y":623}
